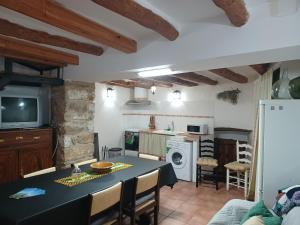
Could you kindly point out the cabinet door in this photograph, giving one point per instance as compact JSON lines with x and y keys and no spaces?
{"x":8,"y":165}
{"x":33,"y":158}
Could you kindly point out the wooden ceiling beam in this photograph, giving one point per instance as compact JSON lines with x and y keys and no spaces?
{"x":230,"y":75}
{"x":14,"y":48}
{"x":55,"y":14}
{"x":197,"y":78}
{"x":261,"y":68}
{"x":153,"y":82}
{"x":175,"y":80}
{"x":14,"y":30}
{"x":128,"y":84}
{"x":235,"y":10}
{"x":141,"y":15}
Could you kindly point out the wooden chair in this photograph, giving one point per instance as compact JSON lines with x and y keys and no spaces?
{"x":207,"y":159}
{"x":241,"y":168}
{"x":106,"y":206}
{"x":85,"y":162}
{"x":147,"y":156}
{"x":40,"y":172}
{"x":145,"y":199}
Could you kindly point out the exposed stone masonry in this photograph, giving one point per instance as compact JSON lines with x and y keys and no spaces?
{"x":73,"y":115}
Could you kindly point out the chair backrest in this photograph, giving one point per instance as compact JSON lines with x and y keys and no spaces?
{"x":102,"y":200}
{"x":207,"y":149}
{"x":85,"y":162}
{"x":147,"y":156}
{"x":243,"y":152}
{"x":40,"y":172}
{"x":147,"y":181}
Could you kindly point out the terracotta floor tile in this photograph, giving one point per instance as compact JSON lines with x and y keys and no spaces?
{"x":187,"y":205}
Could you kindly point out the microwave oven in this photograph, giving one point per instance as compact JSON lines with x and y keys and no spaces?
{"x":197,"y":129}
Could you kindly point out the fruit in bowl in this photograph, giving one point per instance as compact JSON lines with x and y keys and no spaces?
{"x":101,"y":167}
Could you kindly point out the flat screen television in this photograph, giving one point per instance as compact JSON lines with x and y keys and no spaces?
{"x":19,"y":112}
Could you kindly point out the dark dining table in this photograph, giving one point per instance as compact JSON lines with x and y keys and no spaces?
{"x":69,"y":205}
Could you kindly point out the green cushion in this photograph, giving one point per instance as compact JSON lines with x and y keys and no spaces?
{"x":258,"y":210}
{"x":274,"y":220}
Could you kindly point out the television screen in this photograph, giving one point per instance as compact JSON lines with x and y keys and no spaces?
{"x":17,"y":109}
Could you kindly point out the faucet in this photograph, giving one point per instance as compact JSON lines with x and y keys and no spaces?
{"x":172,"y":126}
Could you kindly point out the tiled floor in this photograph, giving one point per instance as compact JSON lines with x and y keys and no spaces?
{"x":187,"y":205}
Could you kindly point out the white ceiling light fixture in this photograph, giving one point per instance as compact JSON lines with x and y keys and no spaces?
{"x":176,"y":95}
{"x":156,"y":72}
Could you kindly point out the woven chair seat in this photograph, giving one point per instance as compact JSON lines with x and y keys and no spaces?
{"x":236,"y":166}
{"x":203,"y":161}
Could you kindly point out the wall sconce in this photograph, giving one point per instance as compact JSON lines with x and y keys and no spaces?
{"x":153,"y":89}
{"x":176,"y":95}
{"x":110,"y":93}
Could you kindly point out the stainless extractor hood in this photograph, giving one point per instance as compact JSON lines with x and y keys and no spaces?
{"x":139,"y":96}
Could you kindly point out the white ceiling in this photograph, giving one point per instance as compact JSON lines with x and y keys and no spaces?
{"x":207,"y":39}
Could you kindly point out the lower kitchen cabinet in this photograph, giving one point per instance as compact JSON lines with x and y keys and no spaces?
{"x":23,"y":152}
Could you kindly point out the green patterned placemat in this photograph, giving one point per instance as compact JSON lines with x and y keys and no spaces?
{"x":87,"y":176}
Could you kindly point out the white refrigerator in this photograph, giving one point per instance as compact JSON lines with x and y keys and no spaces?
{"x":278,"y":148}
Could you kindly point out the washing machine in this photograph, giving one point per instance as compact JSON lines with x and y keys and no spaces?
{"x":180,"y":154}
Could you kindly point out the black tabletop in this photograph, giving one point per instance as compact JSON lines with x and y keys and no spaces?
{"x":68,"y":205}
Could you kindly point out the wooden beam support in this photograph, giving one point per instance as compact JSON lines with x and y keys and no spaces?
{"x":235,"y":10}
{"x":141,"y":15}
{"x":55,"y":14}
{"x":175,"y":80}
{"x":261,"y":68}
{"x":230,"y":75}
{"x":14,"y":48}
{"x":128,"y":84}
{"x":197,"y":78}
{"x":21,"y":32}
{"x":151,"y":82}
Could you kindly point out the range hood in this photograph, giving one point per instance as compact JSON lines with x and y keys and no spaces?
{"x":139,"y":96}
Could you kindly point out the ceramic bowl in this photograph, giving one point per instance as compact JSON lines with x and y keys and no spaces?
{"x":101,"y":167}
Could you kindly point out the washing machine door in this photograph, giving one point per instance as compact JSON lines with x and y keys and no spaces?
{"x":177,"y":158}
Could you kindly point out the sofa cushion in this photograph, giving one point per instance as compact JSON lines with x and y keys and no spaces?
{"x":254,"y":220}
{"x":292,"y":218}
{"x":286,"y":200}
{"x":257,"y":210}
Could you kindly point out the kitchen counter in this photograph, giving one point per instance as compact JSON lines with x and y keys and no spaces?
{"x":187,"y":136}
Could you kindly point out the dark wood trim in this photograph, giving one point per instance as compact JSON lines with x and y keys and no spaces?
{"x":261,"y":68}
{"x":230,"y":75}
{"x":141,"y":15}
{"x":231,"y":129}
{"x":175,"y":80}
{"x":55,"y":14}
{"x":15,"y":30}
{"x":197,"y":78}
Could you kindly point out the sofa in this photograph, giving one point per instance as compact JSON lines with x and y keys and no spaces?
{"x":234,"y":210}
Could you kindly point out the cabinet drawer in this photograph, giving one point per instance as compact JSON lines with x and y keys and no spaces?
{"x":42,"y":137}
{"x":8,"y":139}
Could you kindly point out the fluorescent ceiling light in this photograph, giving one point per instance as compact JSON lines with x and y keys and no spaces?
{"x":157,"y":72}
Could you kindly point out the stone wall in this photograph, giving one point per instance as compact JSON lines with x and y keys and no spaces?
{"x":73,"y":116}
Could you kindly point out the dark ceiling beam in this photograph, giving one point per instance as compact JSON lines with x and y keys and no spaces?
{"x":261,"y":68}
{"x":235,"y":10}
{"x":175,"y":80}
{"x":55,"y":14}
{"x":230,"y":75}
{"x":197,"y":78}
{"x":18,"y":49}
{"x":141,"y":15}
{"x":153,"y":82}
{"x":15,"y":30}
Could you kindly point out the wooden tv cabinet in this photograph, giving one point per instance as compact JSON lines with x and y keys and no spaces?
{"x":23,"y":151}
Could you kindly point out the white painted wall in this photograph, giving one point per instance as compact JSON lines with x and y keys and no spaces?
{"x":201,"y":101}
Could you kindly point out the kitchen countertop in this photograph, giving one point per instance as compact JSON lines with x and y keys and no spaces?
{"x":187,"y":136}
